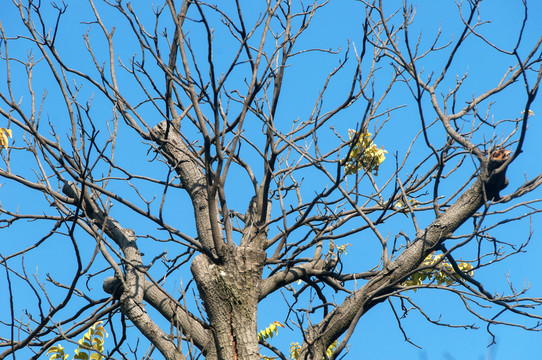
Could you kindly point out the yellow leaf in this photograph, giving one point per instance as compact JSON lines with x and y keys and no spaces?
{"x":443,"y":273}
{"x":96,"y":356}
{"x":269,"y":331}
{"x":54,"y":349}
{"x":364,"y":154}
{"x":4,"y":133}
{"x":294,"y":350}
{"x":413,"y":203}
{"x":331,"y":349}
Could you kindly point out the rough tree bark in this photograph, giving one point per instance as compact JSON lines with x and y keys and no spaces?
{"x":229,"y":291}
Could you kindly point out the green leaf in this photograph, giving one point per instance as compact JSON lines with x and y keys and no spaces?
{"x":81,"y":355}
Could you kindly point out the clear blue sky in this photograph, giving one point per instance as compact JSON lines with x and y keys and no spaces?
{"x":377,"y":335}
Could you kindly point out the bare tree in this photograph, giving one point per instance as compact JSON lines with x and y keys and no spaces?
{"x":170,"y":143}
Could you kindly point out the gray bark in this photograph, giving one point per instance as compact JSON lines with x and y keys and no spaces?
{"x":229,"y":292}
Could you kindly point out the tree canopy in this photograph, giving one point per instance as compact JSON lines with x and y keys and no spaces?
{"x":172,"y":171}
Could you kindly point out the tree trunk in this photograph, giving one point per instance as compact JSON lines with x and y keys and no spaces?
{"x":229,"y":292}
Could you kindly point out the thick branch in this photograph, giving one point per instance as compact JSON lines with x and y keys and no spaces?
{"x":131,"y":299}
{"x":186,"y":165}
{"x":174,"y":312}
{"x":345,"y":317}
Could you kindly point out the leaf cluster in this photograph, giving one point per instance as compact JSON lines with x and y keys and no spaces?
{"x":268,"y":332}
{"x":435,"y":268}
{"x":295,"y":348}
{"x":91,"y":345}
{"x":413,"y":203}
{"x":364,"y":154}
{"x":337,"y":250}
